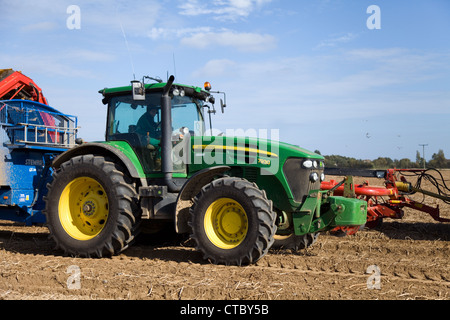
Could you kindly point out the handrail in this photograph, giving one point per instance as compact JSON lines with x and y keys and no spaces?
{"x":15,"y":117}
{"x":66,"y":132}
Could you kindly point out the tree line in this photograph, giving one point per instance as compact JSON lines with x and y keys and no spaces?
{"x":437,"y":161}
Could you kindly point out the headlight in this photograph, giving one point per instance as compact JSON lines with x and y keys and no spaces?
{"x":178,"y":92}
{"x":314,"y":177}
{"x":308,"y":164}
{"x":322,"y":177}
{"x":315,"y":164}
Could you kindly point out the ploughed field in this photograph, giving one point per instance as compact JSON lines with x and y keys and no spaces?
{"x":409,"y":257}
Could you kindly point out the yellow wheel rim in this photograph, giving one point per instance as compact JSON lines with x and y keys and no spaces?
{"x":83,"y":208}
{"x":226,"y":223}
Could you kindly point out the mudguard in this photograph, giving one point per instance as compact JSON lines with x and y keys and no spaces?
{"x":104,"y":149}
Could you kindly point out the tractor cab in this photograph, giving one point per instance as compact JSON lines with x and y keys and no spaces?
{"x":135,"y":115}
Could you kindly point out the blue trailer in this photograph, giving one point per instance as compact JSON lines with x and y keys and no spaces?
{"x":32,"y":134}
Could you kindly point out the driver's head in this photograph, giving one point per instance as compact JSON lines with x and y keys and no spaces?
{"x":152,"y":110}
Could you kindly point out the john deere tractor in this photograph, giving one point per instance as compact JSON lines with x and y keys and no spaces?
{"x":234,"y":196}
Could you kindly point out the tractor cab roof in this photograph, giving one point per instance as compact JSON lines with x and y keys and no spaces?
{"x":192,"y":91}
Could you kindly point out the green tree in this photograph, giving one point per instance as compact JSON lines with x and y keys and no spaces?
{"x":383,"y":163}
{"x":438,"y":160}
{"x":335,"y":161}
{"x":419,"y":160}
{"x":404,"y":163}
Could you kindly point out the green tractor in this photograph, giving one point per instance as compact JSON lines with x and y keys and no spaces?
{"x":235,"y":197}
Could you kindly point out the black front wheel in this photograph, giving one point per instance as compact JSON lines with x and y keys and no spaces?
{"x":285,"y":237}
{"x":232,"y":222}
{"x":294,"y":242}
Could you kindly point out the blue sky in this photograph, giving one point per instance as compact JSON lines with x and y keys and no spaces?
{"x":312,"y":69}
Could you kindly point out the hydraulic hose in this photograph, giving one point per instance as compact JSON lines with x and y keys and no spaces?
{"x":407,"y":187}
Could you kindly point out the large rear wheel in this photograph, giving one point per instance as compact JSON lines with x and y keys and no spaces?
{"x":92,"y":207}
{"x":232,"y":222}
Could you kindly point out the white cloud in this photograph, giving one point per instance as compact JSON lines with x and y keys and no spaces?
{"x":89,"y":56}
{"x":48,"y":65}
{"x":337,"y":40}
{"x":61,"y":64}
{"x":377,"y":53}
{"x":245,"y":42}
{"x":136,"y":18}
{"x":215,"y":68}
{"x":222,"y":9}
{"x":40,"y":26}
{"x":167,"y":33}
{"x":208,"y":37}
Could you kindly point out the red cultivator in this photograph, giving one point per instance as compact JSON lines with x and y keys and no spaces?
{"x":389,"y":201}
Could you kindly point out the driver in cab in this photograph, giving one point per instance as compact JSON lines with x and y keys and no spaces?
{"x":148,"y":127}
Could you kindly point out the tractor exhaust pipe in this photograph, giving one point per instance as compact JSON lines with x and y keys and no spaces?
{"x":166,"y":139}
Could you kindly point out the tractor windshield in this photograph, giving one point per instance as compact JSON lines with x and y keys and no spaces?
{"x":138,"y":123}
{"x":129,"y":116}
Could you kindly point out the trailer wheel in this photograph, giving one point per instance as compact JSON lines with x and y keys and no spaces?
{"x":232,"y":222}
{"x":92,"y":208}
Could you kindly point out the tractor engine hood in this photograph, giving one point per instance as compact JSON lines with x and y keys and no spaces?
{"x":257,"y":146}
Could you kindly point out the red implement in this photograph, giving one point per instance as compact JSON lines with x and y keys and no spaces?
{"x":388,"y":201}
{"x":15,"y":85}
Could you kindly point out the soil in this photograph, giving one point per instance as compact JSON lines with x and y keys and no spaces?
{"x":411,"y":256}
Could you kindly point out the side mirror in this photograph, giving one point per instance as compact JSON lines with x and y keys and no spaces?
{"x":222,"y":106}
{"x":138,"y":90}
